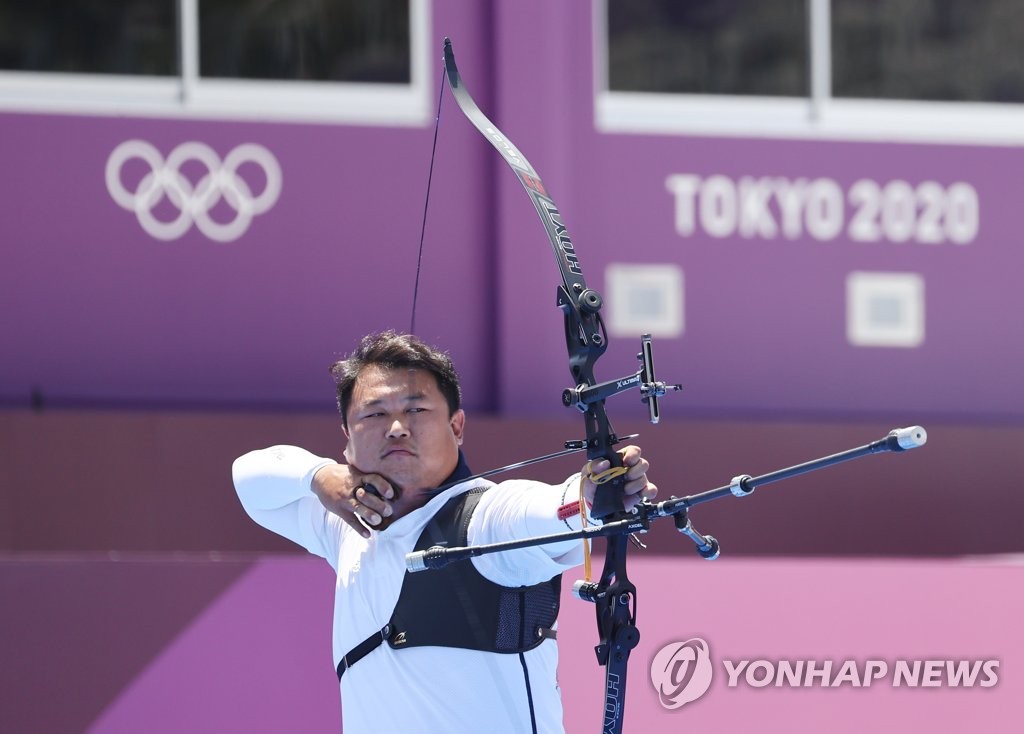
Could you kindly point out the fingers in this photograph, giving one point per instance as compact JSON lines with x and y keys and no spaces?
{"x":364,"y":511}
{"x":377,"y":486}
{"x":646,"y":494}
{"x":370,"y":507}
{"x":370,"y":500}
{"x":650,"y":492}
{"x":363,"y":501}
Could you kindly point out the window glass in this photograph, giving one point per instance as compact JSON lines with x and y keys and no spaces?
{"x":942,"y":50}
{"x":736,"y":47}
{"x":317,"y":40}
{"x":89,"y":36}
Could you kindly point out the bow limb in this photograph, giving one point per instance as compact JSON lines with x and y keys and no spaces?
{"x":584,"y":328}
{"x":614,"y":596}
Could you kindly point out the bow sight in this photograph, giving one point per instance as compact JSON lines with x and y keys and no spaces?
{"x":582,"y":396}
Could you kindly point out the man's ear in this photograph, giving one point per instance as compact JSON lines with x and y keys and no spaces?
{"x":458,"y":424}
{"x":348,"y":442}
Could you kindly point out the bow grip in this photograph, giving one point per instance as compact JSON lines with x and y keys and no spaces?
{"x":610,"y":494}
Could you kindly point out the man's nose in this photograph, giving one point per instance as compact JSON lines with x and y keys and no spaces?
{"x":398,"y":429}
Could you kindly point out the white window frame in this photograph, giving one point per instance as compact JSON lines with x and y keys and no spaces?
{"x":191,"y":96}
{"x":817,"y":116}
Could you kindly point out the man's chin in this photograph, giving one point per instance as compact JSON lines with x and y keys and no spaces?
{"x":406,"y":471}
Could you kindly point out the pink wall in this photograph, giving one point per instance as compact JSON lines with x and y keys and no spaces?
{"x":255,"y":655}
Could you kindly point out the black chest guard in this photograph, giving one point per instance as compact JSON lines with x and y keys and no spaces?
{"x":456,"y":606}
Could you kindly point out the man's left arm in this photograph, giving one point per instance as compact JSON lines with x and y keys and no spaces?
{"x":520,"y":509}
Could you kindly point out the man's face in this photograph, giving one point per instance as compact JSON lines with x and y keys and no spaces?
{"x":399,"y":427}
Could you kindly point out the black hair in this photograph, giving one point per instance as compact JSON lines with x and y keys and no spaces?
{"x":391,"y":350}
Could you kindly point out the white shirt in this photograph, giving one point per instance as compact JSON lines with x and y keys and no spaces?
{"x":421,"y":689}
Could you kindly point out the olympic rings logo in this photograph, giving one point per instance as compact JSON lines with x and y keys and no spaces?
{"x":194,"y":203}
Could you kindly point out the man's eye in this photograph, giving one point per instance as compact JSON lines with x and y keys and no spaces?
{"x":416,"y":410}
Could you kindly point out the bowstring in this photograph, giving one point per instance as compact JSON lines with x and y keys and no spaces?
{"x":426,"y":203}
{"x":463,"y":595}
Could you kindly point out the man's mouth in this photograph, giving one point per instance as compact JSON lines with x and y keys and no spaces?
{"x":398,"y":451}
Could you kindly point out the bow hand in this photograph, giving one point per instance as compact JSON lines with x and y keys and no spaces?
{"x":634,"y":485}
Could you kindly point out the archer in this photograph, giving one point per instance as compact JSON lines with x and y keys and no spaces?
{"x":470,"y":646}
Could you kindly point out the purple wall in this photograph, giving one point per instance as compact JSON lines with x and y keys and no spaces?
{"x":96,"y":311}
{"x":765,"y":323}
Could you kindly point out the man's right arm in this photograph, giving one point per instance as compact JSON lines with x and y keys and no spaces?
{"x":274,"y":486}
